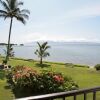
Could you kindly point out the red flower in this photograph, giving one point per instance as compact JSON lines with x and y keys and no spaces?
{"x":58,"y":78}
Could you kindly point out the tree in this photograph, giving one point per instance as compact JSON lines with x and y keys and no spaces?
{"x":11,"y":9}
{"x":41,"y":52}
{"x":11,"y":50}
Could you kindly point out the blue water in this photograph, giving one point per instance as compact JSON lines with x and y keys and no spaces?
{"x":87,"y":54}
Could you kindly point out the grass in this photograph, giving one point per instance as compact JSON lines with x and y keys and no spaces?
{"x":85,"y":77}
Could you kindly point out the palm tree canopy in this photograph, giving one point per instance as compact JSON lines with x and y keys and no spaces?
{"x":11,"y":10}
{"x":42,"y":49}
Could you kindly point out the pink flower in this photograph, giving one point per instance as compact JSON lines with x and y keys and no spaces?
{"x":58,"y":78}
{"x":17,"y":75}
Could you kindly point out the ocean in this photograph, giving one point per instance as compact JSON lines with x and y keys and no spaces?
{"x":77,"y":53}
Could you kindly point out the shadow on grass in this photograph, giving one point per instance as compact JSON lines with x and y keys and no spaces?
{"x":18,"y":93}
{"x":42,"y":65}
{"x":2,"y":74}
{"x":7,"y":87}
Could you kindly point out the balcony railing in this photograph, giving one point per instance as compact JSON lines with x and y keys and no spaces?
{"x":64,"y":95}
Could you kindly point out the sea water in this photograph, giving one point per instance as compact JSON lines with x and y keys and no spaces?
{"x":86,"y":54}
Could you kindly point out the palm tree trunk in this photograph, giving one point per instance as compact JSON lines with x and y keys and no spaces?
{"x":8,"y":47}
{"x":41,"y":61}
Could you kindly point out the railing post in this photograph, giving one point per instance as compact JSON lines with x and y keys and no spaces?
{"x":74,"y":97}
{"x":85,"y":95}
{"x":63,"y":98}
{"x":94,"y":95}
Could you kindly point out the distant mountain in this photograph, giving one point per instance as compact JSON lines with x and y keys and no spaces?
{"x":2,"y":44}
{"x":62,"y":42}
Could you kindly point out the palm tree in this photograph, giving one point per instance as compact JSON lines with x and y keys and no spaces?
{"x":11,"y":50}
{"x":11,"y":9}
{"x":41,"y":51}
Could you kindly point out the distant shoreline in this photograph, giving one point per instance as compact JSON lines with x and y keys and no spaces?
{"x":62,"y":63}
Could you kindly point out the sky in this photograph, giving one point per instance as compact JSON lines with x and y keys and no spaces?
{"x":56,"y":20}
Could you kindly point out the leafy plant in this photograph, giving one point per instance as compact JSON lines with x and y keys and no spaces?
{"x":41,"y":52}
{"x":97,"y":67}
{"x":11,"y":51}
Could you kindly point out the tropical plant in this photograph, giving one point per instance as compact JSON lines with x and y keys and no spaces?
{"x":11,"y":9}
{"x":41,"y":52}
{"x":97,"y":67}
{"x":11,"y":50}
{"x":30,"y":82}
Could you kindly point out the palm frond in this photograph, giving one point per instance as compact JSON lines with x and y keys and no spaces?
{"x":39,"y":44}
{"x":7,"y":1}
{"x":44,"y":44}
{"x":5,"y":5}
{"x":36,"y":52}
{"x":12,"y":4}
{"x":20,"y":3}
{"x":46,"y":54}
{"x":24,"y":16}
{"x":25,"y":11}
{"x":47,"y":47}
{"x":16,"y":10}
{"x":21,"y":19}
{"x":3,"y":16}
{"x":3,"y":12}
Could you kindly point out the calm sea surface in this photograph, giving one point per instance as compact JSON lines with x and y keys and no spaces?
{"x":87,"y":54}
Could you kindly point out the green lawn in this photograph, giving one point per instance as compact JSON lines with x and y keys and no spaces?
{"x":85,"y":77}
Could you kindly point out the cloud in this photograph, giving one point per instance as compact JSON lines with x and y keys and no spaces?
{"x":79,"y":13}
{"x":84,"y":12}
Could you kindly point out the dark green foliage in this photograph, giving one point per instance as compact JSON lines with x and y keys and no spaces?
{"x":97,"y":67}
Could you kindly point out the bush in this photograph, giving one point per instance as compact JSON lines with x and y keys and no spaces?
{"x":28,"y":81}
{"x":97,"y":67}
{"x":84,"y":66}
{"x":69,"y":64}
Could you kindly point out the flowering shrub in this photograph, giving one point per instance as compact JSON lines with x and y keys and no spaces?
{"x":28,"y":81}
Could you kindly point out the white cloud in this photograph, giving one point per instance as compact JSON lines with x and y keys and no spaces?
{"x":84,"y":12}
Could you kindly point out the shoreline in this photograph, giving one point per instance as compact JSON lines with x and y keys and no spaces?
{"x":53,"y":62}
